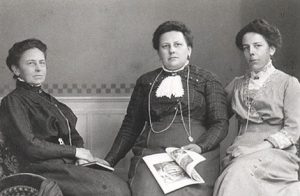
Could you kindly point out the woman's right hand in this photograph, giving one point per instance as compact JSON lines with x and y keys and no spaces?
{"x":85,"y":154}
{"x":193,"y":147}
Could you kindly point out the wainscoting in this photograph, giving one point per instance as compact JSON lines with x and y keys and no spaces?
{"x":99,"y":120}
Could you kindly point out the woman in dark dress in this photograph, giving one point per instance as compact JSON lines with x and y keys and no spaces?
{"x":179,"y":105}
{"x":42,"y":129}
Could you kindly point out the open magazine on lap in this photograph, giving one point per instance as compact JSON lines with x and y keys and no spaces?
{"x":175,"y":168}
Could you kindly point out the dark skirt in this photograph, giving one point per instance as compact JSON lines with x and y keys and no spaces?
{"x":141,"y":180}
{"x":78,"y":181}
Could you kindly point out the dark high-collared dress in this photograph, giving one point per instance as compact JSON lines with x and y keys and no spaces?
{"x":42,"y":133}
{"x":209,"y":124}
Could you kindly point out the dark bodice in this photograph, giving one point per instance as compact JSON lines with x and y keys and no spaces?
{"x":34,"y":121}
{"x":207,"y":105}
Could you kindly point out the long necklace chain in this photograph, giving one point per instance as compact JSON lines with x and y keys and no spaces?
{"x":189,"y":130}
{"x":249,"y":101}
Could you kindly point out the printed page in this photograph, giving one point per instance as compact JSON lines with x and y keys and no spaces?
{"x":169,"y":175}
{"x":187,"y":160}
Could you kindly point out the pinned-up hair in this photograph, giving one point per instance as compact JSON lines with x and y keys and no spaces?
{"x":172,"y":26}
{"x":269,"y":32}
{"x":16,"y":51}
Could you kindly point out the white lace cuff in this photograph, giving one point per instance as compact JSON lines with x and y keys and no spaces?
{"x":281,"y":140}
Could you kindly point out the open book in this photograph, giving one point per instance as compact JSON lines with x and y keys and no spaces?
{"x":175,"y":168}
{"x":98,"y":165}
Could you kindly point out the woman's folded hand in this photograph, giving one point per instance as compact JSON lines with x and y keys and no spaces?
{"x":85,"y":154}
{"x":192,"y":147}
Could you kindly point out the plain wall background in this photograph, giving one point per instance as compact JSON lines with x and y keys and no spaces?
{"x":95,"y":42}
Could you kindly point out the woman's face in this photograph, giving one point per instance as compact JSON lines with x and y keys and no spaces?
{"x":173,"y":50}
{"x":257,"y":51}
{"x":32,"y":67}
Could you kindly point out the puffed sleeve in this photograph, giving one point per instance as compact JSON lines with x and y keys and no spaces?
{"x":131,"y":128}
{"x":290,"y":132}
{"x":229,"y":90}
{"x":17,"y":116}
{"x":217,"y":119}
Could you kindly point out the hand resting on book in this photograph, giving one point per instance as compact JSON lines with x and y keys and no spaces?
{"x":85,"y":156}
{"x":193,"y":147}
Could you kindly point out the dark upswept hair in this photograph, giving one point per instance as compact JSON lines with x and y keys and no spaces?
{"x":16,"y":51}
{"x":172,"y":26}
{"x":269,"y":32}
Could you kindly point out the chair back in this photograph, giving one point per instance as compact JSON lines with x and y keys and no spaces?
{"x":21,"y":184}
{"x":9,"y":163}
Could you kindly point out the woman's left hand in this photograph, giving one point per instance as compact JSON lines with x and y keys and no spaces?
{"x":193,"y":147}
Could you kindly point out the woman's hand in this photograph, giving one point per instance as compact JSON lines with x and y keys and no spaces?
{"x":193,"y":147}
{"x":244,"y":150}
{"x":85,"y":154}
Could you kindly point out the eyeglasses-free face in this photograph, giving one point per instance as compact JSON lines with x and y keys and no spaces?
{"x":173,"y":50}
{"x":32,"y":67}
{"x":257,"y":51}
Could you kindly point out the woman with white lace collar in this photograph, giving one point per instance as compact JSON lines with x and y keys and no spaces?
{"x":179,"y":105}
{"x":262,"y":159}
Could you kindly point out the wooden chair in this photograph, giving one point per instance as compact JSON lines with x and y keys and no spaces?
{"x":26,"y":184}
{"x":8,"y":160}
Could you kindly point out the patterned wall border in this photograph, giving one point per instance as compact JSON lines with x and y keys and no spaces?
{"x":112,"y":89}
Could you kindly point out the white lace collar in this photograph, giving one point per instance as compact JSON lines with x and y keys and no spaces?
{"x":257,"y":80}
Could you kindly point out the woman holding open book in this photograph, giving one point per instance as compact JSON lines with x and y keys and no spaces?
{"x":42,"y":130}
{"x":262,"y":159}
{"x":176,"y":105}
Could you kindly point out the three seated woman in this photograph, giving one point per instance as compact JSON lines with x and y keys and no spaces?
{"x":180,"y":105}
